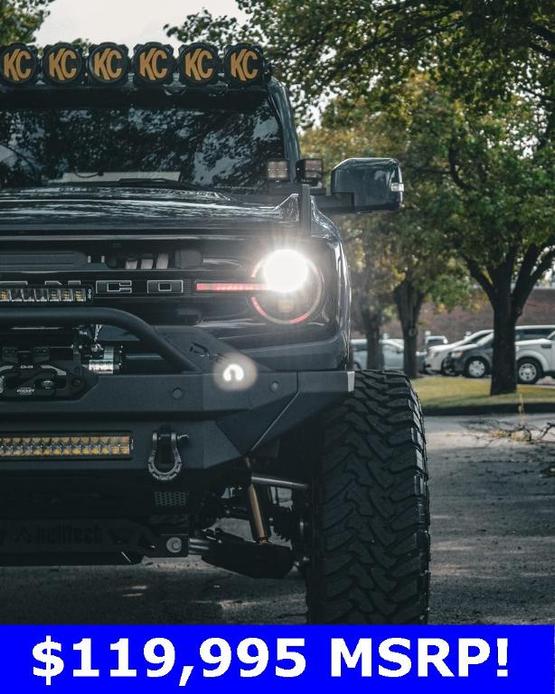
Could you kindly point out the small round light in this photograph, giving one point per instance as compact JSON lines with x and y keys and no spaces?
{"x":235,"y":372}
{"x":285,"y":271}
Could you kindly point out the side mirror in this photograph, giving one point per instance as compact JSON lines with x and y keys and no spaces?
{"x":368,"y":183}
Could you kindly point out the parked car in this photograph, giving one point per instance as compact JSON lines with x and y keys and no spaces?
{"x":435,"y":358}
{"x":392,"y":349}
{"x":535,"y":359}
{"x":434,"y":340}
{"x":474,"y":361}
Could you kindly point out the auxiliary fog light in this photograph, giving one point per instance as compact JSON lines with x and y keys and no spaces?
{"x":77,"y":445}
{"x":235,"y":372}
{"x":285,"y":271}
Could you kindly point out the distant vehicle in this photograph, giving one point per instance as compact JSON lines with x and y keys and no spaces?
{"x":392,"y":349}
{"x":433,"y":340}
{"x":435,"y":358}
{"x":535,"y":359}
{"x":474,"y":361}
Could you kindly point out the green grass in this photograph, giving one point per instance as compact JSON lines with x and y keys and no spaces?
{"x":443,"y":392}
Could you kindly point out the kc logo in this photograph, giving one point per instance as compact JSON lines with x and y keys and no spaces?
{"x":18,"y":64}
{"x":153,"y":63}
{"x":62,"y":63}
{"x":198,"y":64}
{"x":108,"y":63}
{"x":244,"y":63}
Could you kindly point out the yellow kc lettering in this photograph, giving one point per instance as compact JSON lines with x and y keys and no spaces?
{"x":17,"y":65}
{"x":150,"y":66}
{"x":240,"y":65}
{"x":104,"y":64}
{"x":195,"y":67}
{"x":62,"y":65}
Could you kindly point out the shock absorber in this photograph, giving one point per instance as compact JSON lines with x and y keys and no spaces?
{"x":259,"y":525}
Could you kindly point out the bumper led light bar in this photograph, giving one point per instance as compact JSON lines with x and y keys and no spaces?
{"x":65,"y":446}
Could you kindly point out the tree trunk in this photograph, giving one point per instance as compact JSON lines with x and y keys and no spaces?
{"x":409,"y":299}
{"x":373,"y":321}
{"x":507,"y":302}
{"x":503,"y":370}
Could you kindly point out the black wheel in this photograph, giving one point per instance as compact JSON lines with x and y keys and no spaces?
{"x":476,"y":367}
{"x":369,"y":545}
{"x":529,"y":371}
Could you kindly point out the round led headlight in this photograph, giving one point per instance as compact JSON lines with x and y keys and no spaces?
{"x":285,"y":271}
{"x":292,"y":287}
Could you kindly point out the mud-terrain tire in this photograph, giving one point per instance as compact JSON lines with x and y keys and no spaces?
{"x":369,"y":543}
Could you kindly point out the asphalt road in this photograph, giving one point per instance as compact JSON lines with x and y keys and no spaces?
{"x":493,"y":544}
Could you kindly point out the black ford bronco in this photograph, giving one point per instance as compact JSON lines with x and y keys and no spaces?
{"x":174,"y":334}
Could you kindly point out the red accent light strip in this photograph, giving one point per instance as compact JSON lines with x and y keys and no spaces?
{"x":230,"y":287}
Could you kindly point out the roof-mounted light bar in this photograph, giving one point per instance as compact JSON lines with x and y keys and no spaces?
{"x":152,"y":64}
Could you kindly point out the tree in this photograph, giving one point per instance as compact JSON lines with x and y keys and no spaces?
{"x":488,"y":112}
{"x":477,"y":48}
{"x":400,"y":258}
{"x":19,"y":19}
{"x":495,"y":175}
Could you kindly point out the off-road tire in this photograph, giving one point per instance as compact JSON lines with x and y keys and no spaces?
{"x":369,"y":542}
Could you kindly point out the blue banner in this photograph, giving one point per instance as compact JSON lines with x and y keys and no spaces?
{"x":277,"y":658}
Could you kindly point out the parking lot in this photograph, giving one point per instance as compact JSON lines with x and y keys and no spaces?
{"x":493,"y":525}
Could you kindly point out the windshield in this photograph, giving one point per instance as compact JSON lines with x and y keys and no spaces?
{"x":476,"y":337}
{"x":94,"y":138}
{"x":485,"y":340}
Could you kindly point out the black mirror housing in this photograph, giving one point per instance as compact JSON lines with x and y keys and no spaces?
{"x":373,"y":184}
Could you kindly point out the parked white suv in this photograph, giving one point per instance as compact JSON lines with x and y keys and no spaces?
{"x":535,"y":359}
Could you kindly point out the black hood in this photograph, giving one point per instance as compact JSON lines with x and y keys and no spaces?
{"x":101,"y":208}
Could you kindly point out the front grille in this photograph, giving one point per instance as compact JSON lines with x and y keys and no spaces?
{"x":170,"y":499}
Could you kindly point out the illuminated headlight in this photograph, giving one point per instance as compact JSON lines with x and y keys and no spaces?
{"x":292,"y":287}
{"x":285,"y":271}
{"x":70,"y":446}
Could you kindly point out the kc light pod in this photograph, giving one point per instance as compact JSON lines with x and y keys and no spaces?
{"x":244,"y":64}
{"x":198,"y":64}
{"x":19,"y":65}
{"x":153,"y":64}
{"x":108,"y":64}
{"x":63,"y":64}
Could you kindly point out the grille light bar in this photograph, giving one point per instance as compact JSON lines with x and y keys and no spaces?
{"x":43,"y":295}
{"x":66,"y":446}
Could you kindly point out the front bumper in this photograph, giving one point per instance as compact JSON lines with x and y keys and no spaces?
{"x":456,"y":366}
{"x":188,"y":414}
{"x":214,"y":426}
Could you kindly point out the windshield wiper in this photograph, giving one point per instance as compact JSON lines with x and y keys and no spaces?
{"x":132,"y":181}
{"x":158,"y":181}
